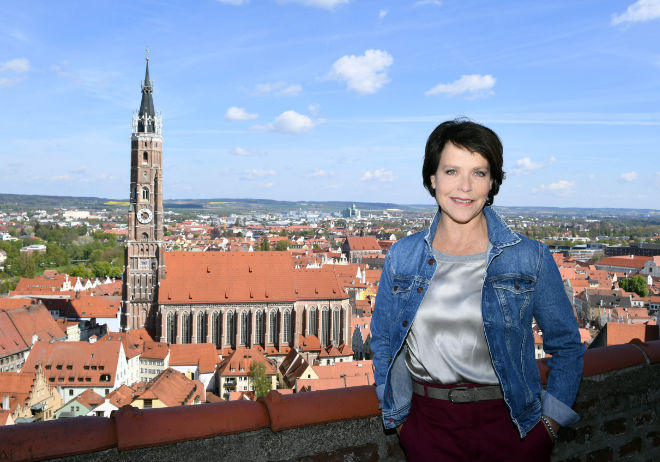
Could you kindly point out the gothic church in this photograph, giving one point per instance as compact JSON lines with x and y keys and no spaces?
{"x":230,"y":299}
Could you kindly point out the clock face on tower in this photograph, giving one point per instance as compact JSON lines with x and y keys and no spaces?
{"x":144,"y":216}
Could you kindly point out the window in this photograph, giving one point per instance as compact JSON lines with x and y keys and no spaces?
{"x":69,"y":367}
{"x":171,"y":328}
{"x":313,"y":322}
{"x":201,"y":328}
{"x":272,"y":327}
{"x":147,"y":404}
{"x":70,"y":392}
{"x":287,"y":326}
{"x":145,"y":193}
{"x":336,"y":327}
{"x":58,"y":367}
{"x":145,"y":157}
{"x":216,"y":329}
{"x":231,"y":329}
{"x":105,"y":377}
{"x":325,"y":327}
{"x":186,"y":328}
{"x":145,"y":236}
{"x":259,"y":328}
{"x":245,"y":328}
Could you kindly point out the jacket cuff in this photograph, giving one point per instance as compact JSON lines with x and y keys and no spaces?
{"x":557,"y":411}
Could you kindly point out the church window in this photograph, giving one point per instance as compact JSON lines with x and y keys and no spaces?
{"x":245,"y":328}
{"x":145,"y":193}
{"x":336,"y":327}
{"x":231,"y":329}
{"x":145,"y":157}
{"x":259,"y":328}
{"x":272,"y":327}
{"x":186,"y":328}
{"x":145,"y":236}
{"x":216,"y":332}
{"x":287,"y":326}
{"x":325,"y":327}
{"x":201,"y":328}
{"x":313,"y":322}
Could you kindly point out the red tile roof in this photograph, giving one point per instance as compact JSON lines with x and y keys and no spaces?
{"x":202,"y":355}
{"x":76,"y":364}
{"x":626,"y":261}
{"x":173,"y":388}
{"x":223,"y":277}
{"x":240,"y":362}
{"x":17,"y":386}
{"x":363,"y":243}
{"x":89,"y":306}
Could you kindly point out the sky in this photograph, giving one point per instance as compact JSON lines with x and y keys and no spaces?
{"x":332,"y":99}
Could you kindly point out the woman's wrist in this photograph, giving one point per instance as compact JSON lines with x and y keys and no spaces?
{"x":551,"y":425}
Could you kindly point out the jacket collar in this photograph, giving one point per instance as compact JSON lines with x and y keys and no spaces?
{"x":499,"y":233}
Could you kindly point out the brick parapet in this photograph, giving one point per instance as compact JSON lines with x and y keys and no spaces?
{"x":619,"y":404}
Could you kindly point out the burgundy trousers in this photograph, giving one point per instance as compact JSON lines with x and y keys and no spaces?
{"x":438,"y":430}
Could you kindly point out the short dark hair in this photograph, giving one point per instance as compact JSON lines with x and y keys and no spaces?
{"x":469,"y":135}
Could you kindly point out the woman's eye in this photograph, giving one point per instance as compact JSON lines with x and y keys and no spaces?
{"x":450,"y":172}
{"x":481,"y":173}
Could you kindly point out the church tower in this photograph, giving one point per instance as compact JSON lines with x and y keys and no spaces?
{"x":144,"y":264}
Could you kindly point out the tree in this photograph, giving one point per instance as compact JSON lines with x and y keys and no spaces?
{"x":264,"y":245}
{"x":284,"y":244}
{"x":635,"y":284}
{"x":261,"y":383}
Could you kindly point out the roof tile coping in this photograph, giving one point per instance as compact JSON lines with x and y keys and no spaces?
{"x":57,"y":438}
{"x":606,"y":359}
{"x":315,"y":408}
{"x":132,"y":428}
{"x":138,"y":428}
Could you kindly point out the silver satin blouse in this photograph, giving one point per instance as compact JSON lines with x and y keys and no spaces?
{"x":446,"y":342}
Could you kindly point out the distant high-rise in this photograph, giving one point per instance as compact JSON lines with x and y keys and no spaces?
{"x":144,"y":264}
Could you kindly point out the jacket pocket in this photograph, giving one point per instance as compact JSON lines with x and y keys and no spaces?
{"x":514,"y":292}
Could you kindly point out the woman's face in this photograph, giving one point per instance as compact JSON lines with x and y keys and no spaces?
{"x":461,"y":183}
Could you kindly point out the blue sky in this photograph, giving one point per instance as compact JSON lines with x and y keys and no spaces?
{"x":332,"y":99}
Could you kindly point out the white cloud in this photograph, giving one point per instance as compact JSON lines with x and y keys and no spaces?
{"x":428,"y":2}
{"x":313,"y":109}
{"x":234,"y":2}
{"x":382,"y":14}
{"x":640,"y":11}
{"x":378,"y":175}
{"x":561,"y":187}
{"x":289,"y":122}
{"x":277,"y":88}
{"x":266,"y":185}
{"x":629,"y":176}
{"x":325,"y":4}
{"x":252,"y":173}
{"x":239,"y":113}
{"x":18,"y":65}
{"x":474,"y":85}
{"x":6,"y":82}
{"x":525,"y":165}
{"x":317,"y":173}
{"x":363,"y":74}
{"x":238,"y":151}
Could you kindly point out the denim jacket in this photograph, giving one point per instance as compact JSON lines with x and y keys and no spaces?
{"x":521,"y":282}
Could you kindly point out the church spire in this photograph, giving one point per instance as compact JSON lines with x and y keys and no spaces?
{"x":147,"y":114}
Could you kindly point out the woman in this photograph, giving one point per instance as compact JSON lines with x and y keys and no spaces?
{"x":452,"y":326}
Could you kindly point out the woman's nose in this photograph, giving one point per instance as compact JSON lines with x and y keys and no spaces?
{"x":465,"y":184}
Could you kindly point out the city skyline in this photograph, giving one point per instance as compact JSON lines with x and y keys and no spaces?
{"x":333,"y":99}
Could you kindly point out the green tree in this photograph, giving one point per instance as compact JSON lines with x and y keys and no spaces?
{"x":284,"y":244}
{"x":261,"y":383}
{"x":635,"y":284}
{"x":27,"y":265}
{"x":264,"y":245}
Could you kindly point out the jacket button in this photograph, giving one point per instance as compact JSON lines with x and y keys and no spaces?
{"x":390,"y":420}
{"x":517,"y":287}
{"x":431,"y":261}
{"x":396,"y":287}
{"x":420,"y":289}
{"x":405,"y":323}
{"x":389,"y":396}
